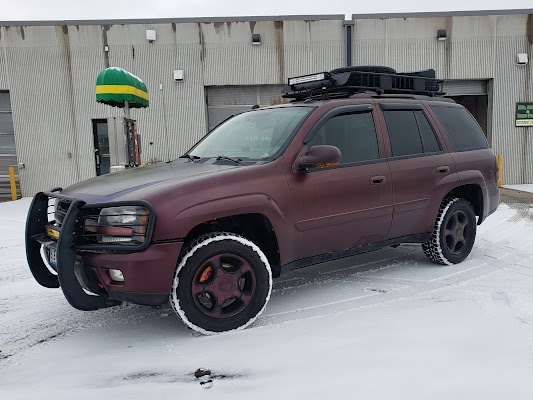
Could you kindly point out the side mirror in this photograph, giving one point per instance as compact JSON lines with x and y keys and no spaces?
{"x":322,"y":156}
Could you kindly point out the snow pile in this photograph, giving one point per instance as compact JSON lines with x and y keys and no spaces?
{"x":381,"y":325}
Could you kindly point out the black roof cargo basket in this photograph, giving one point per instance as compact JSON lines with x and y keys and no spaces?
{"x":345,"y":82}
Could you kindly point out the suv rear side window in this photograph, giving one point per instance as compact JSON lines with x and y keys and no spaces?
{"x":353,"y":134}
{"x":462,"y":128}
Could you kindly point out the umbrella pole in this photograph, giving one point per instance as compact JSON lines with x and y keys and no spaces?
{"x":127,"y":109}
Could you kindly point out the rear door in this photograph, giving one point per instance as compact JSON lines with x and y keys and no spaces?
{"x":417,"y":163}
{"x":347,"y":205}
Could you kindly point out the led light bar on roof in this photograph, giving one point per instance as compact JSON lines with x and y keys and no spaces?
{"x":307,"y":78}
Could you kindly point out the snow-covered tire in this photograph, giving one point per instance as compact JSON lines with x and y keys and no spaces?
{"x":454,"y":232}
{"x":222,"y":283}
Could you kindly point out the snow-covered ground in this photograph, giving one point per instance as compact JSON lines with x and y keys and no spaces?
{"x":521,"y":188}
{"x":382,"y":325}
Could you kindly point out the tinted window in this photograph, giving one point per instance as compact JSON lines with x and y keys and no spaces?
{"x":353,"y":134}
{"x":429,"y":141}
{"x":462,"y":128}
{"x":403,"y":133}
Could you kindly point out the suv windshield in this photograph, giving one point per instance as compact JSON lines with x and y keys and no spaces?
{"x":253,"y":135}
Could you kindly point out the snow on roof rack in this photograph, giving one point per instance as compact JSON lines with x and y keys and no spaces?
{"x":345,"y":82}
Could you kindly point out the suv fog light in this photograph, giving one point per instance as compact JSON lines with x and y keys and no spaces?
{"x":116,"y":275}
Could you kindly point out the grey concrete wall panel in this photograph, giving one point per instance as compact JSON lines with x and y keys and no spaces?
{"x":4,"y":81}
{"x":86,"y":59}
{"x":230,"y":58}
{"x":478,"y":47}
{"x":41,"y":98}
{"x":288,"y":48}
{"x":311,"y":46}
{"x":510,"y":86}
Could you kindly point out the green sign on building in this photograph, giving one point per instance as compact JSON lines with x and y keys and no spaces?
{"x":524,"y":114}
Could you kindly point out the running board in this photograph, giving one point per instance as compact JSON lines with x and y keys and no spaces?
{"x":336,"y":255}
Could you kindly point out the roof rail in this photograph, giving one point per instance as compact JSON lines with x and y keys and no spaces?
{"x":345,"y":82}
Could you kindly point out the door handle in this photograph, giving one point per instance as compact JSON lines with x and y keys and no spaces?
{"x":376,"y":180}
{"x":443,"y":169}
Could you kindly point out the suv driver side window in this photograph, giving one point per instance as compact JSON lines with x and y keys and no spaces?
{"x":353,"y":134}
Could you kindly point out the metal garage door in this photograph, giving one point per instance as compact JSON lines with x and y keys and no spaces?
{"x":465,"y":87}
{"x":8,"y":154}
{"x":225,"y":101}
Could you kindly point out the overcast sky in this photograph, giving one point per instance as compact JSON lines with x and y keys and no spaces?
{"x":13,"y":10}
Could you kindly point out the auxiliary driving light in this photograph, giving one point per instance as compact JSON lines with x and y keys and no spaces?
{"x":116,"y":275}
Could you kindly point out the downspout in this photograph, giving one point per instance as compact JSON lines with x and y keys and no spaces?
{"x":348,"y":29}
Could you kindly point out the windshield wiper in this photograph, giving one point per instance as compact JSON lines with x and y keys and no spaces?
{"x":235,"y":160}
{"x":192,"y":158}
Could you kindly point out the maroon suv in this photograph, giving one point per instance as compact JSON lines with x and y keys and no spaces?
{"x":359,"y":160}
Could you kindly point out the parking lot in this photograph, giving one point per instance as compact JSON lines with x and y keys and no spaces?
{"x":382,"y":324}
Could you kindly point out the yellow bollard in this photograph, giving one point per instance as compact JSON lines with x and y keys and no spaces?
{"x":500,"y":171}
{"x":12,"y":183}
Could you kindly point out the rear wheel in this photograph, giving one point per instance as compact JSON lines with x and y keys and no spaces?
{"x":454,"y":233}
{"x":222,"y":283}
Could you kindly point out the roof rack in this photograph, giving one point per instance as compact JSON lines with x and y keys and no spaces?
{"x":345,"y":82}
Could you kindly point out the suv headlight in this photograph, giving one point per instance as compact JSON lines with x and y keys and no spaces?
{"x":126,"y":224}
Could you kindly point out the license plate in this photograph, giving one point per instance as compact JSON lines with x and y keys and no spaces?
{"x":52,"y":256}
{"x":52,"y":232}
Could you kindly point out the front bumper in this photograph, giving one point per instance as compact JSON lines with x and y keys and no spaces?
{"x":148,"y":274}
{"x":83,"y":271}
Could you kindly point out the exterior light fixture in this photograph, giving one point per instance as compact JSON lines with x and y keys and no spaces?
{"x":256,"y":39}
{"x":441,"y":34}
{"x":522,"y":59}
{"x":151,"y":35}
{"x":178,"y":75}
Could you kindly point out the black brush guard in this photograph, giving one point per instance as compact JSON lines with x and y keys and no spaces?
{"x":65,"y":253}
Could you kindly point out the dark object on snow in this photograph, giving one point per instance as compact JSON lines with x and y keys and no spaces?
{"x":204,"y":377}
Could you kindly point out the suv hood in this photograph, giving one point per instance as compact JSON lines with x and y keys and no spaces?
{"x":108,"y":187}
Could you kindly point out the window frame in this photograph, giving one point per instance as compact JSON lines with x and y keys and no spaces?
{"x":410,"y":107}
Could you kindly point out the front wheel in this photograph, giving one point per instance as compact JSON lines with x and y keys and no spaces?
{"x":454,"y":233}
{"x":222,"y":283}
